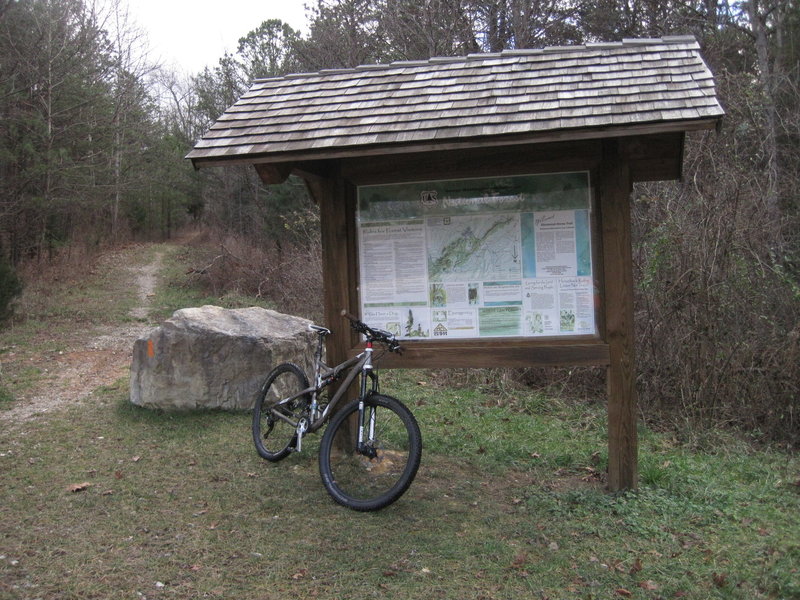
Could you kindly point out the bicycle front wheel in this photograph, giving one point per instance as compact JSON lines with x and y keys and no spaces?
{"x":277,"y":410}
{"x":380,"y":471}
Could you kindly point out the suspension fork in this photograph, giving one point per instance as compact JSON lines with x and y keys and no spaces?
{"x":362,"y":445}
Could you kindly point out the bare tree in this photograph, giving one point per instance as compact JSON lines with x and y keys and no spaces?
{"x":419,"y":30}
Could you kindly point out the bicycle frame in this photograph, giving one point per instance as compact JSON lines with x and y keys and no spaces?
{"x":368,"y":429}
{"x":325,"y":376}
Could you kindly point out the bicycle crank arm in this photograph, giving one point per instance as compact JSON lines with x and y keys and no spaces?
{"x":302,"y":427}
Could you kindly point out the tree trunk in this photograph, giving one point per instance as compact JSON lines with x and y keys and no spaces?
{"x":758,"y":27}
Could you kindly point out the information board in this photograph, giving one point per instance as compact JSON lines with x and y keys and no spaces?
{"x":478,"y":258}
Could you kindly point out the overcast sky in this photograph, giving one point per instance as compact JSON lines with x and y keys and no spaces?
{"x":189,"y":35}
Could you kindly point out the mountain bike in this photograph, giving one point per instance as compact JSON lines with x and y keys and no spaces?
{"x":371,"y":449}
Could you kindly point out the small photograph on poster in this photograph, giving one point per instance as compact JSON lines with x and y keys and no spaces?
{"x":417,"y":322}
{"x":438,"y":295}
{"x":473,"y":295}
{"x":500,"y":321}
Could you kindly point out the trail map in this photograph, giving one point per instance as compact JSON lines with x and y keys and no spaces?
{"x":473,"y":248}
{"x":478,"y":258}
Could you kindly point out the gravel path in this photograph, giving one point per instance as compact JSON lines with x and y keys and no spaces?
{"x":103,"y":357}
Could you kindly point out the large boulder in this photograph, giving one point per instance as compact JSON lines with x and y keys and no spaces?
{"x":211,"y":357}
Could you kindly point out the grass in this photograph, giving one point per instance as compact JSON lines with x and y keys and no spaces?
{"x":180,"y":506}
{"x":105,"y":500}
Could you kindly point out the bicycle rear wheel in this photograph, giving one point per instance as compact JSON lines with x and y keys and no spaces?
{"x":274,"y":436}
{"x":381,"y":471}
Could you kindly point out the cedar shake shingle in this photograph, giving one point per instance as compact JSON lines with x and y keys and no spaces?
{"x":527,"y":94}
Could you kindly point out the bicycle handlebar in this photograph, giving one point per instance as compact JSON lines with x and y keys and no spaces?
{"x":374,"y":335}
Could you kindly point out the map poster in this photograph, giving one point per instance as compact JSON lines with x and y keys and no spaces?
{"x":477,"y":258}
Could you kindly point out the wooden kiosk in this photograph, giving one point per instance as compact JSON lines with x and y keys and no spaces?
{"x":479,"y":206}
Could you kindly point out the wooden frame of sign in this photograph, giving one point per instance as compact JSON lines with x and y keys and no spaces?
{"x":612,"y":164}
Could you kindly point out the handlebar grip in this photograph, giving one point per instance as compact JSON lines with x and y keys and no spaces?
{"x":348,"y":316}
{"x":375,"y":334}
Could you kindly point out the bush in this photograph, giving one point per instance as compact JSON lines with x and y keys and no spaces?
{"x":288,"y":274}
{"x":718,"y":340}
{"x":10,"y":288}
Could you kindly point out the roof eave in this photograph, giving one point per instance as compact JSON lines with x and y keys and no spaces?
{"x":333,"y":153}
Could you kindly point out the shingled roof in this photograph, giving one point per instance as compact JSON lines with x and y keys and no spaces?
{"x":593,"y":90}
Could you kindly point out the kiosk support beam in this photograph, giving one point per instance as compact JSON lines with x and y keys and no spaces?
{"x":614,"y":196}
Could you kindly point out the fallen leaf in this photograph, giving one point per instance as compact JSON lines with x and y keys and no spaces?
{"x":79,"y":487}
{"x":136,"y":459}
{"x":623,"y":592}
{"x":108,"y":493}
{"x":118,"y":474}
{"x":648,"y":585}
{"x":720,"y":579}
{"x":637,"y":566}
{"x":300,"y":574}
{"x":389,"y":573}
{"x":519,"y":560}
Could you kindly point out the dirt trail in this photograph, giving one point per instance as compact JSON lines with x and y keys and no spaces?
{"x":101,"y":358}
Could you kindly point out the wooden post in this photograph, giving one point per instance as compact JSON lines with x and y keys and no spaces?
{"x":614,"y":200}
{"x":329,"y":193}
{"x":337,"y":224}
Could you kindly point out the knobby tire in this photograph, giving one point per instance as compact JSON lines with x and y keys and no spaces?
{"x":374,"y":479}
{"x":274,"y":438}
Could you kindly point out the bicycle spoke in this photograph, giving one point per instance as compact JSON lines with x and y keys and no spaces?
{"x":274,"y":424}
{"x":380,"y":471}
